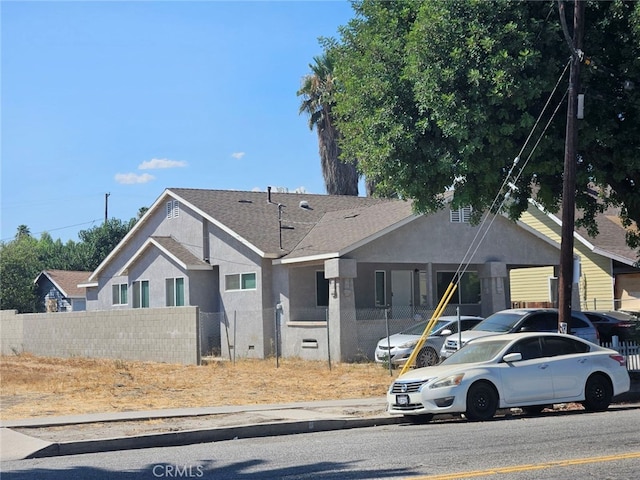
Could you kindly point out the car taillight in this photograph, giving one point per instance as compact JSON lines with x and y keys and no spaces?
{"x":620,"y":359}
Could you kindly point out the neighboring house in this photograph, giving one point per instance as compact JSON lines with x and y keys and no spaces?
{"x":58,"y":290}
{"x":606,"y":273}
{"x":291,"y":266}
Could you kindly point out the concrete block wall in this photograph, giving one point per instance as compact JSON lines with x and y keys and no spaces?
{"x":148,"y":334}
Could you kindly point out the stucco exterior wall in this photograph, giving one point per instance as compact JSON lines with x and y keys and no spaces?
{"x":246,"y":316}
{"x":435,"y":239}
{"x":160,"y":335}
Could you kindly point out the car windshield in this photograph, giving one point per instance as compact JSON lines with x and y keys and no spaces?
{"x":476,"y":352}
{"x":419,"y":328}
{"x":498,"y":322}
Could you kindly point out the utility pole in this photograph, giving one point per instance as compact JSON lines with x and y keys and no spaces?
{"x":565,"y":280}
{"x":106,"y":207}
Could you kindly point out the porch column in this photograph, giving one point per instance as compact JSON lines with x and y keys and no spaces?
{"x":343,"y":332}
{"x":493,"y":277}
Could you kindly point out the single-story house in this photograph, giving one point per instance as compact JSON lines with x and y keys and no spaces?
{"x":58,"y":290}
{"x":303,"y":272}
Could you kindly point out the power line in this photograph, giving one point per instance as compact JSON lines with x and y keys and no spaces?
{"x":58,"y":228}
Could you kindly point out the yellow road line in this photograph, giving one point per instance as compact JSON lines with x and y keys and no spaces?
{"x":524,"y":468}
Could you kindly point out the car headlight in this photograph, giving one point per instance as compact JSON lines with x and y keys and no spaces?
{"x":409,"y":344}
{"x":450,"y":381}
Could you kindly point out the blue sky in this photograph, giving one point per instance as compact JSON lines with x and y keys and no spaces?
{"x":130,"y":98}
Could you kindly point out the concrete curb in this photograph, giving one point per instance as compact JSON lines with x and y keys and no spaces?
{"x":190,"y":437}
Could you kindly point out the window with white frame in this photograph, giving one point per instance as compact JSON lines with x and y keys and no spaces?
{"x":119,"y":294}
{"x":423,"y":285}
{"x":175,"y":292}
{"x":240,"y":281}
{"x":141,"y":294}
{"x":381,"y":288}
{"x":553,"y":290}
{"x":173,"y":209}
{"x":461,"y":215}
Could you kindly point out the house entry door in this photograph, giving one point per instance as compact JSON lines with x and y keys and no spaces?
{"x":402,"y":293}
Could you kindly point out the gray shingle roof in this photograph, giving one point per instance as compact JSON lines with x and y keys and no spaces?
{"x":180,"y":252}
{"x":611,"y":236}
{"x":311,"y":224}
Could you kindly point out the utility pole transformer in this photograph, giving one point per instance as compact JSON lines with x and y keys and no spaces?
{"x":565,"y":280}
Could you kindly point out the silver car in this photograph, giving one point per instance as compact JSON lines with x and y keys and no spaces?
{"x":521,"y":320}
{"x":398,"y":347}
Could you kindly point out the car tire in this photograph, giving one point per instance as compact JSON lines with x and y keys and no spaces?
{"x":427,"y":357}
{"x":482,"y":402}
{"x":533,"y":409}
{"x":597,"y":393}
{"x":419,"y":419}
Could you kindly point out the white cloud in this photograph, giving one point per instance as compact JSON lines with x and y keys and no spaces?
{"x":133,"y":178}
{"x":155,"y":163}
{"x":238,"y":155}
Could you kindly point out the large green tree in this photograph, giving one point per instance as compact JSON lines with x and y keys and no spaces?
{"x":317,"y":91}
{"x":99,"y":241}
{"x":23,"y":258}
{"x":442,"y":94}
{"x":19,"y":266}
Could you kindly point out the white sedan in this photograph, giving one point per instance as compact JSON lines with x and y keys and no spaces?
{"x":527,"y":370}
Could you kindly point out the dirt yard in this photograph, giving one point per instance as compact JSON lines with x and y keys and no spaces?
{"x":38,"y":386}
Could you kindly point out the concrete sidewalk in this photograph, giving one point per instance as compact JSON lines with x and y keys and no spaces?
{"x":91,"y":433}
{"x":70,"y":435}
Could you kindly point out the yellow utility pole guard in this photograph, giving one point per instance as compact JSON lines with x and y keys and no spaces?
{"x":427,"y":330}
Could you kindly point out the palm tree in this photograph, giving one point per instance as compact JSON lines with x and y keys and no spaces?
{"x":317,"y":91}
{"x":23,"y":231}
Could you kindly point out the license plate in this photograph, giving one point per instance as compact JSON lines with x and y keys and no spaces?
{"x":402,"y":399}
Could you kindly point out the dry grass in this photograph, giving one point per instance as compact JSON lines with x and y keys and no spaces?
{"x":37,"y":386}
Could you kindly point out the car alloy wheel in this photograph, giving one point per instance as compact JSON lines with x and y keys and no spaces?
{"x":427,"y":357}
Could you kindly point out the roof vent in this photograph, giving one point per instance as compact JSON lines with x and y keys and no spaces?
{"x":304,"y":204}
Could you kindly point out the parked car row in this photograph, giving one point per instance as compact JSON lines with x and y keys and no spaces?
{"x":513,"y":358}
{"x":521,"y":320}
{"x":398,"y":347}
{"x":526,"y":370}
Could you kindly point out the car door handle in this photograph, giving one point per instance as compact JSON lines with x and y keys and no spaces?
{"x":543,"y":366}
{"x":582,"y":360}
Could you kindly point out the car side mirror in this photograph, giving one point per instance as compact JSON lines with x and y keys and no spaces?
{"x":512,"y":357}
{"x":445,"y":333}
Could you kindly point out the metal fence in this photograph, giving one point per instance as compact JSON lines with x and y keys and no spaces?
{"x":210,"y":334}
{"x":218,"y":332}
{"x":372,"y":324}
{"x":603,"y":304}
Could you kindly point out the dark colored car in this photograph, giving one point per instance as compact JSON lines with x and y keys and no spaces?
{"x":610,"y":324}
